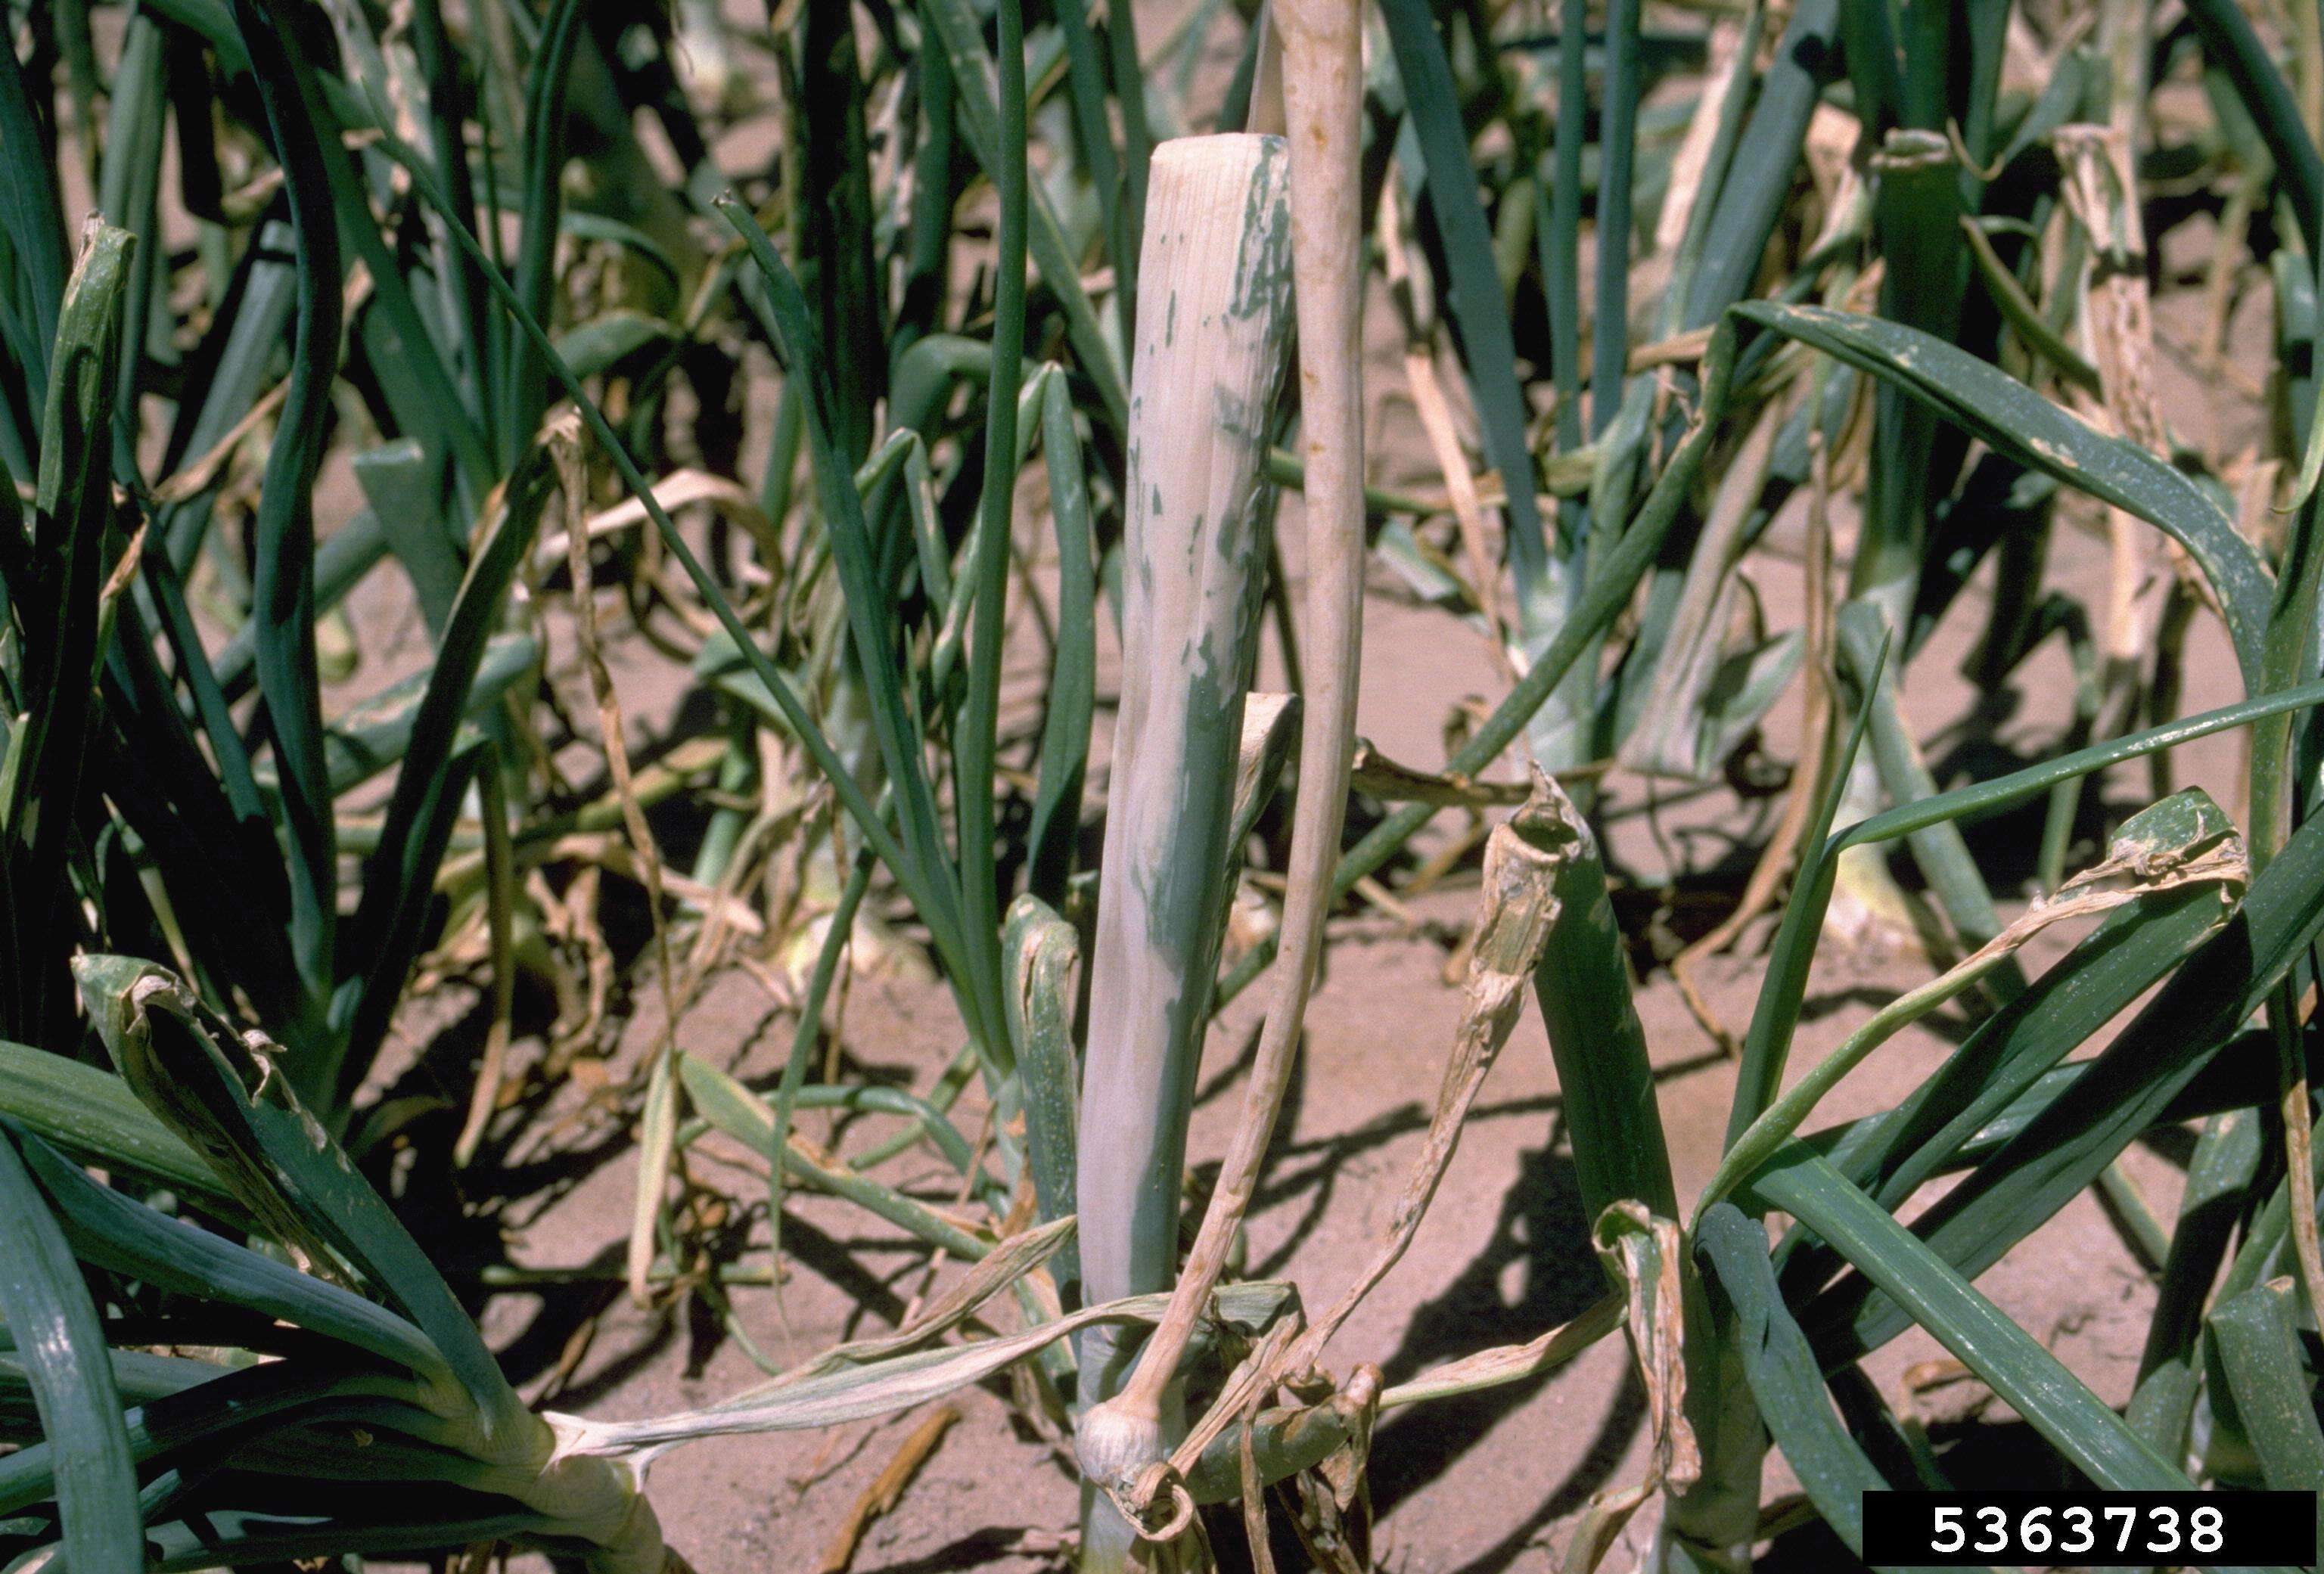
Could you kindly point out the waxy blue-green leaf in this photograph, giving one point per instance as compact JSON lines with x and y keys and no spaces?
{"x":1751,"y":200}
{"x":2129,"y":951}
{"x":2011,"y":1361}
{"x":404,"y":488}
{"x":2150,"y":1061}
{"x":235,"y":1408}
{"x":2226,"y":1166}
{"x":1582,"y":985}
{"x":1776,"y":1013}
{"x":1055,"y":829}
{"x":976,"y":737}
{"x":57,"y":619}
{"x":1996,"y":407}
{"x":1942,"y":855}
{"x":1786,"y":1378}
{"x":2272,"y":1385}
{"x":525,"y":393}
{"x":1433,"y":102}
{"x":238,"y":354}
{"x":57,"y":1336}
{"x":2231,"y":44}
{"x":92,"y":1114}
{"x":282,"y":586}
{"x":117,"y":1232}
{"x":959,"y":34}
{"x":31,"y":219}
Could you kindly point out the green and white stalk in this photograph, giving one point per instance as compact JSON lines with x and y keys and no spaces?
{"x":1917,"y":219}
{"x":1323,"y":100}
{"x":1213,"y":322}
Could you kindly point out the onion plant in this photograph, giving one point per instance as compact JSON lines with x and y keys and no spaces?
{"x":1213,"y":278}
{"x":475,"y":310}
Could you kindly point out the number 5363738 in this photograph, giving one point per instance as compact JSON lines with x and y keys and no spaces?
{"x":2039,"y":1528}
{"x":1993,"y":1530}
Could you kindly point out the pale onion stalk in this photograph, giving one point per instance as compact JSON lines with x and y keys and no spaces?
{"x":1323,"y":100}
{"x":1214,"y":323}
